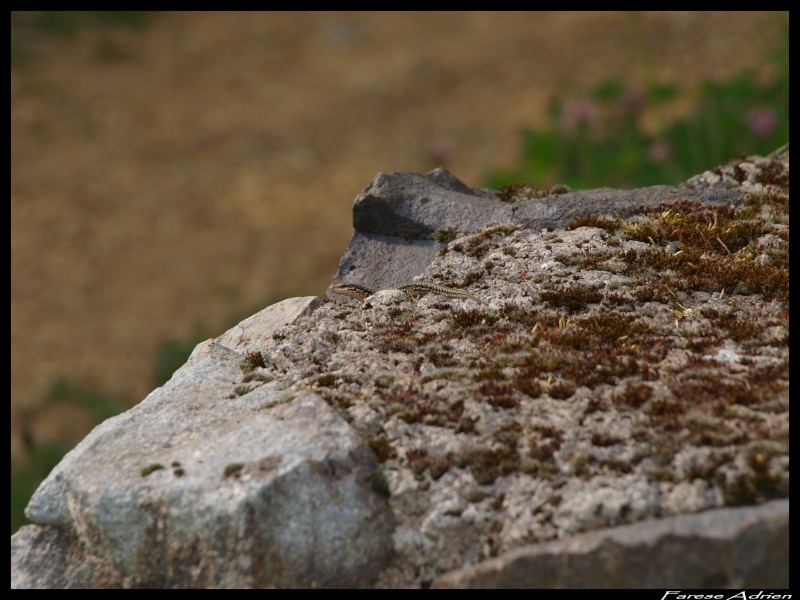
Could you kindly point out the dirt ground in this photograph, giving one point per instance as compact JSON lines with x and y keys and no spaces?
{"x":173,"y":178}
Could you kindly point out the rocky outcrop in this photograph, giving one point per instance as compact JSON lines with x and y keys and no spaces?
{"x":629,"y":368}
{"x":399,"y":215}
{"x":204,"y":485}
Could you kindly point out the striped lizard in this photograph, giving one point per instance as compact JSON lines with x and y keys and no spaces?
{"x":360,"y":292}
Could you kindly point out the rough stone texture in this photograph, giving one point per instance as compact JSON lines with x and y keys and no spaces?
{"x":620,"y":370}
{"x":723,"y":548}
{"x":254,"y":334}
{"x":254,"y":488}
{"x":413,"y":205}
{"x":50,"y":557}
{"x":397,"y":215}
{"x":380,"y":261}
{"x":556,"y":210}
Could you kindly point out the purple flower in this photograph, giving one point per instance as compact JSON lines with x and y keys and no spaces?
{"x":659,"y":152}
{"x":576,"y":113}
{"x":762,"y":122}
{"x":633,"y":99}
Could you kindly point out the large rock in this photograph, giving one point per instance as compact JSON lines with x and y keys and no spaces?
{"x":206,"y":485}
{"x":619,"y":374}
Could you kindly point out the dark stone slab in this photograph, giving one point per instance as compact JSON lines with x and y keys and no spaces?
{"x":724,"y":548}
{"x":552,"y":212}
{"x":397,"y":215}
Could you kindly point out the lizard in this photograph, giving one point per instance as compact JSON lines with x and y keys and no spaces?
{"x":360,"y":292}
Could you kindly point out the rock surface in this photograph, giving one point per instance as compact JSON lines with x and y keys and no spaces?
{"x":624,"y":367}
{"x":723,"y":548}
{"x":201,"y":485}
{"x":397,"y":216}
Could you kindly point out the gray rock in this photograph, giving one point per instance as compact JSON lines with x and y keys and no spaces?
{"x":210,"y":482}
{"x":593,"y":389}
{"x":722,"y":548}
{"x":411,"y":205}
{"x":397,"y":215}
{"x":557,"y":210}
{"x":51,"y":557}
{"x":255,"y":333}
{"x":381,"y":261}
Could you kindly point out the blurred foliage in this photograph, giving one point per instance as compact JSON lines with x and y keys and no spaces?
{"x":99,"y":406}
{"x":27,"y":26}
{"x":597,"y":140}
{"x":173,"y":355}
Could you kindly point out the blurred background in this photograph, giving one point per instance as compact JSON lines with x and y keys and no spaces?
{"x":173,"y":173}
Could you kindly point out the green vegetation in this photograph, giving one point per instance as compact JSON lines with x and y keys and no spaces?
{"x":100,"y":406}
{"x":151,"y":468}
{"x":28,"y":26}
{"x":69,"y":22}
{"x":252,"y":361}
{"x":233,"y":470}
{"x":599,"y":139}
{"x":173,"y":355}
